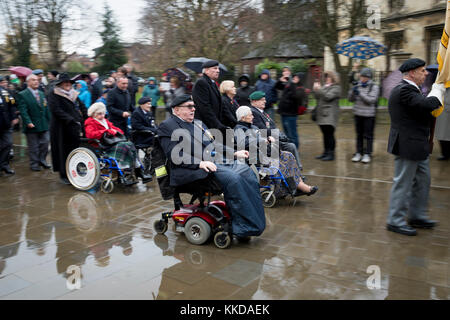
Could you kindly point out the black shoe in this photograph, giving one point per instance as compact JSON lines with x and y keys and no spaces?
{"x":321,"y":156}
{"x":141,"y":174}
{"x":406,"y":230}
{"x":302,"y":193}
{"x":243,"y":239}
{"x":328,"y":157}
{"x":7,"y":169}
{"x":45,"y":165}
{"x":423,"y":224}
{"x":64,"y":181}
{"x":313,"y":190}
{"x":35,"y":168}
{"x":443,"y":158}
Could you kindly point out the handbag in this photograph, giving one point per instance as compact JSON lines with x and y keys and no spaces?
{"x":301,"y":110}
{"x":110,"y":140}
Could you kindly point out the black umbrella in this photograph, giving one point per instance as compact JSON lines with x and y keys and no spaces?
{"x":177,"y":72}
{"x":196,"y":63}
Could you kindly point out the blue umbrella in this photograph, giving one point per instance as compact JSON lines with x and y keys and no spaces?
{"x":364,"y":48}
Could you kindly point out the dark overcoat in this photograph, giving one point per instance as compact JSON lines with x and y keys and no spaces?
{"x":208,"y":103}
{"x":66,"y":126}
{"x":411,"y":118}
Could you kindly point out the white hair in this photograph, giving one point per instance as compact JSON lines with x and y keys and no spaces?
{"x":30,"y":76}
{"x":94,"y":74}
{"x":243,"y":111}
{"x":95,"y":108}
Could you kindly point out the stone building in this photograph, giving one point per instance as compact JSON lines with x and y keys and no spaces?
{"x":410,"y":28}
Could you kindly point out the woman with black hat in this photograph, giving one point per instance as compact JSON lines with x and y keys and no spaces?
{"x":68,"y":115}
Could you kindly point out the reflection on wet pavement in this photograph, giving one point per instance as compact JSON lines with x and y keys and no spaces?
{"x":316,"y":247}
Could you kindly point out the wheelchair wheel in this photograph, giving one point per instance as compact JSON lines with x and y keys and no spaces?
{"x":107,"y":185}
{"x":160,"y":226}
{"x":222,"y":240}
{"x":268,"y":199}
{"x":83,"y":169}
{"x":197,"y":230}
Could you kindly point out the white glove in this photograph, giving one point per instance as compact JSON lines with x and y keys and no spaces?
{"x":438,"y":91}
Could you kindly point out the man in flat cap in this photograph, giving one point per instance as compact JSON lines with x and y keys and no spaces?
{"x":411,"y":116}
{"x":208,"y":101}
{"x":194,"y":154}
{"x":262,"y":120}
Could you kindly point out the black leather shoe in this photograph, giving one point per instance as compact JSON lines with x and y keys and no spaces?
{"x":406,"y":230}
{"x":141,"y":174}
{"x":328,"y":157}
{"x":313,"y":190}
{"x":302,"y":193}
{"x":443,"y":158}
{"x":45,"y":165}
{"x":35,"y":168}
{"x":64,"y":181}
{"x":8,"y":170}
{"x":321,"y":156}
{"x":423,"y":224}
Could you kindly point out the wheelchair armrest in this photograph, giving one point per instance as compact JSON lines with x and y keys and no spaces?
{"x":89,"y":140}
{"x":143,"y":131}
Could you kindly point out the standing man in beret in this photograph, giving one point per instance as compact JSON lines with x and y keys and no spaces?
{"x":208,"y":100}
{"x":411,"y":116}
{"x":40,"y":74}
{"x":8,"y":119}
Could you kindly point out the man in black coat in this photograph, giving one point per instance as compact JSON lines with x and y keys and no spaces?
{"x":411,"y":116}
{"x":207,"y":98}
{"x":143,"y":120}
{"x":8,"y":119}
{"x":263,"y":121}
{"x":188,"y":164}
{"x":119,"y":105}
{"x":96,"y":86}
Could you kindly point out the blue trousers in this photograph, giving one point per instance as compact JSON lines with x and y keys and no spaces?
{"x":410,"y":191}
{"x":242,"y":196}
{"x":290,"y":128}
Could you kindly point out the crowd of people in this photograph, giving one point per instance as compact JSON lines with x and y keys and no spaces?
{"x":63,"y":110}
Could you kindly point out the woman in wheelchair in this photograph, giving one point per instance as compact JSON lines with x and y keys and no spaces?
{"x":247,"y":134}
{"x":113,"y":142}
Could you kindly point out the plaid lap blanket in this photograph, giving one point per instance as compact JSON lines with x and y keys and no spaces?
{"x":125,"y":154}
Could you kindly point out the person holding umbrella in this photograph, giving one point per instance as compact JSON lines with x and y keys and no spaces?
{"x":411,"y":116}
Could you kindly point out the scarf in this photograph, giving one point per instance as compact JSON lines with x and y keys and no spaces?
{"x":103,"y":123}
{"x":72,"y":95}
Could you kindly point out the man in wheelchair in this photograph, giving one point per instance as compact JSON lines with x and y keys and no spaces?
{"x":114,"y":143}
{"x":191,"y":149}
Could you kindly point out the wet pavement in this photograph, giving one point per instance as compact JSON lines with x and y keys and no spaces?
{"x":317,"y":247}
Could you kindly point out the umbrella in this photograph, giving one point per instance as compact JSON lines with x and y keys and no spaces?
{"x":195,"y":64}
{"x":364,"y":48}
{"x":21,"y":71}
{"x":177,"y":72}
{"x":390,"y":82}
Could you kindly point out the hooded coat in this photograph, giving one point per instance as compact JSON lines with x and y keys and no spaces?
{"x":243,"y":93}
{"x":152,"y":91}
{"x":268,"y":87}
{"x":85,"y":95}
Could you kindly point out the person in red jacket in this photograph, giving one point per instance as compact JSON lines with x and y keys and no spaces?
{"x":125,"y":153}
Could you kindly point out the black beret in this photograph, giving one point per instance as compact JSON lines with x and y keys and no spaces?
{"x":144,"y":100}
{"x":210,"y":63}
{"x":411,"y":64}
{"x":180,"y":100}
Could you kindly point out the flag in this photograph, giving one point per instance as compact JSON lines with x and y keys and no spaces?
{"x":443,"y":58}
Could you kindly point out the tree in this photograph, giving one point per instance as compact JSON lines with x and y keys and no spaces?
{"x":18,"y":16}
{"x":54,"y":19}
{"x":194,"y":28}
{"x":112,"y":54}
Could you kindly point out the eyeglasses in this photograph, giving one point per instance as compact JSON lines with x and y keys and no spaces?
{"x":188,"y":106}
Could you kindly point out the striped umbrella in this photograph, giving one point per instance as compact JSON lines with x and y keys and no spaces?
{"x":363,"y":48}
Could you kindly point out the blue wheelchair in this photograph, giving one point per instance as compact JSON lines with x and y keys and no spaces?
{"x":89,"y":165}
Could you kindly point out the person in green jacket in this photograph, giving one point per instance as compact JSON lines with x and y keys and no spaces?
{"x":36,"y":117}
{"x":151,"y":90}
